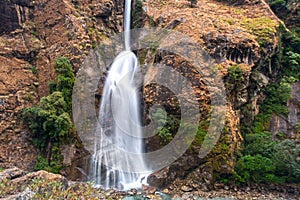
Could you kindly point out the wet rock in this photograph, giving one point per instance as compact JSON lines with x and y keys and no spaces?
{"x":158,"y":179}
{"x":149,"y":189}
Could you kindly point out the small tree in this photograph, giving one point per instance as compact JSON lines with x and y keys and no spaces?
{"x":50,"y":121}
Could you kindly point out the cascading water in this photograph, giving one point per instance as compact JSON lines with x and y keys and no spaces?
{"x":118,"y":148}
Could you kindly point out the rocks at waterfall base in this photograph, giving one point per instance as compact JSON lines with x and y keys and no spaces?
{"x":17,"y":184}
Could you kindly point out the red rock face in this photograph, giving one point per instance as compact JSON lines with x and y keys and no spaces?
{"x":32,"y":35}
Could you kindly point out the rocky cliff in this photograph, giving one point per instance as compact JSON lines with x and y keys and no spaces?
{"x":32,"y":35}
{"x":240,"y":36}
{"x":236,"y":34}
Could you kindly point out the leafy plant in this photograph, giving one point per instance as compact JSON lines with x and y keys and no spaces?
{"x":235,"y":73}
{"x":255,"y":168}
{"x":167,"y":125}
{"x":137,"y":15}
{"x":286,"y":158}
{"x":50,"y":121}
{"x":65,"y":79}
{"x":259,"y":143}
{"x":34,"y":70}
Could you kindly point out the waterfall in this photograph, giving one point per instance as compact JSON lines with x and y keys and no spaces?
{"x":118,"y":147}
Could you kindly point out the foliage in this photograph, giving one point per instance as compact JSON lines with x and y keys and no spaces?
{"x":7,"y":188}
{"x":259,"y":143}
{"x":234,"y":79}
{"x":43,"y":164}
{"x":44,"y":189}
{"x":34,"y":70}
{"x":167,"y":125}
{"x":277,"y":96}
{"x":137,"y":15}
{"x":65,"y":79}
{"x":50,"y":121}
{"x":286,"y":158}
{"x":279,"y":6}
{"x":201,"y":132}
{"x":255,"y":168}
{"x":264,"y":158}
{"x":235,"y":73}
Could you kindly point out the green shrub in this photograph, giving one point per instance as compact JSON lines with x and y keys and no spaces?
{"x":286,"y":158}
{"x":255,"y":168}
{"x":137,"y":15}
{"x":259,"y":143}
{"x":50,"y":121}
{"x":235,"y":73}
{"x":278,"y":4}
{"x":42,"y":164}
{"x":65,"y":79}
{"x":167,"y":125}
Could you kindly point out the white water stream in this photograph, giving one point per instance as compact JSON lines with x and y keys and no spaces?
{"x":118,"y":160}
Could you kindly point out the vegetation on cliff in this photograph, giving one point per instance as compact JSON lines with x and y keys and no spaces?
{"x":268,"y":158}
{"x":50,"y":121}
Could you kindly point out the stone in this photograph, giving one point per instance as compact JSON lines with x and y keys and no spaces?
{"x":186,"y":188}
{"x":166,"y":191}
{"x":11,"y":173}
{"x":43,"y":175}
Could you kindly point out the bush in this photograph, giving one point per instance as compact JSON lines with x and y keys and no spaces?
{"x":137,"y":15}
{"x":65,"y":79}
{"x":277,"y":95}
{"x":286,"y":158}
{"x":259,"y":143}
{"x":235,"y":73}
{"x":167,"y":125}
{"x":255,"y":168}
{"x":50,"y":121}
{"x":278,"y":4}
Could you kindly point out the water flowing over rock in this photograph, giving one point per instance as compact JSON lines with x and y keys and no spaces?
{"x":117,"y":159}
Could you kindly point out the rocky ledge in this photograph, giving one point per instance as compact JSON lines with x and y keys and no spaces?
{"x":17,"y":184}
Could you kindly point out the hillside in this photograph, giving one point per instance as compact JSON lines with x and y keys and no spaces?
{"x":254,"y":54}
